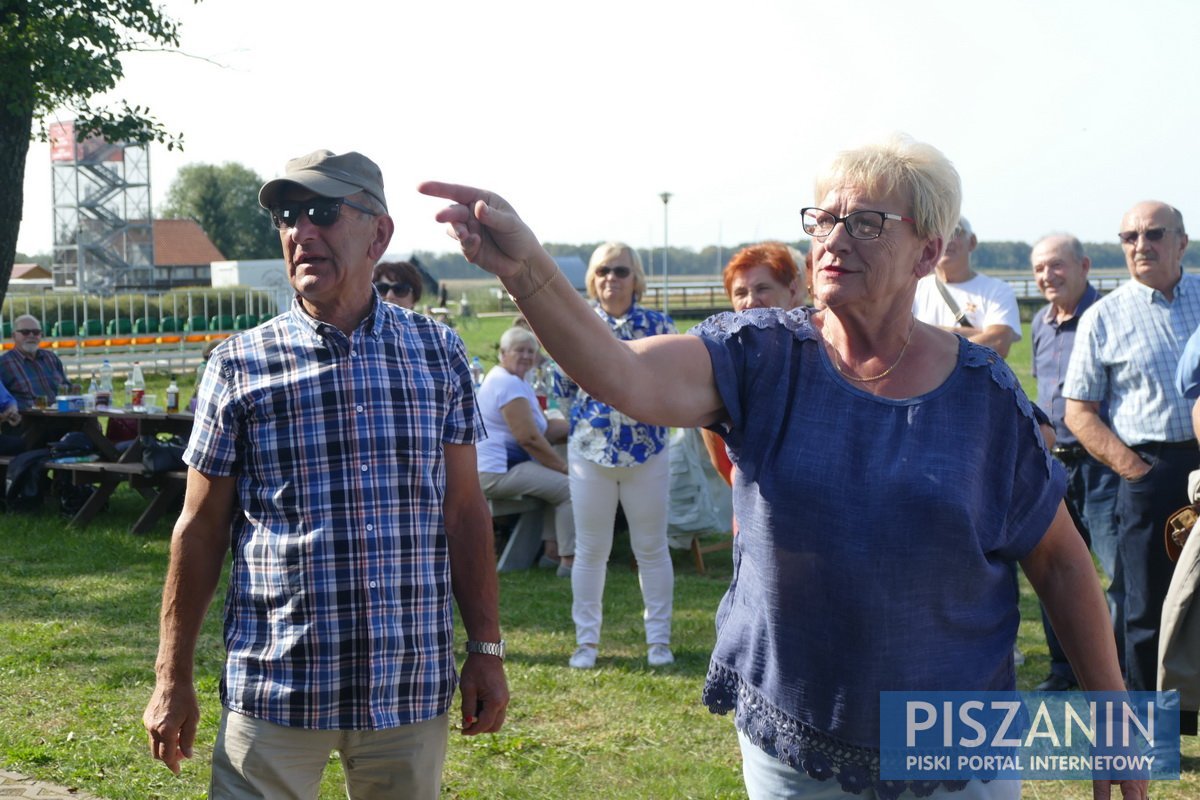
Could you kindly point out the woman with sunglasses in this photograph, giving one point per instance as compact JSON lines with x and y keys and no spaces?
{"x":889,"y":473}
{"x":615,"y":459}
{"x":397,"y":282}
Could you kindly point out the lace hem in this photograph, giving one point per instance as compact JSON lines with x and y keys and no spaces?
{"x":801,"y":746}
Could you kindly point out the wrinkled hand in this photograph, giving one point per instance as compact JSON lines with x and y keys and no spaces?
{"x":1130,"y":790}
{"x":487,"y":228}
{"x":485,"y":691}
{"x":171,"y":718}
{"x":11,"y":415}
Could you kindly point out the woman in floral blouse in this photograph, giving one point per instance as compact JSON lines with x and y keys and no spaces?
{"x":615,"y":459}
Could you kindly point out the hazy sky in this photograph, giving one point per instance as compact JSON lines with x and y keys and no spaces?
{"x":1058,"y":115}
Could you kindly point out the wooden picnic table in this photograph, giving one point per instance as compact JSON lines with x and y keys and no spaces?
{"x":161,"y":490}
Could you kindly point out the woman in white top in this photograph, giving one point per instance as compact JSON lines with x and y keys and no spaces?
{"x":518,"y":456}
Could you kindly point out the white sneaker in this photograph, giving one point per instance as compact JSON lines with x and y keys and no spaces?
{"x":660,"y":655}
{"x":584,"y":657}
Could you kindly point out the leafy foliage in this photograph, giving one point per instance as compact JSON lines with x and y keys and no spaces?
{"x":59,"y":54}
{"x":224,"y":201}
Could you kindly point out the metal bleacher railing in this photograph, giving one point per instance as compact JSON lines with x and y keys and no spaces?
{"x":163,"y":331}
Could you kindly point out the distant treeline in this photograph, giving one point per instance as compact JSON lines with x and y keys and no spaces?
{"x":988,"y":256}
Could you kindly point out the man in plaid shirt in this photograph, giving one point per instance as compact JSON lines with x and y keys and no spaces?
{"x":333,"y":455}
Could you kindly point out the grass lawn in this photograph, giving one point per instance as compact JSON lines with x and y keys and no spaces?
{"x":78,"y":633}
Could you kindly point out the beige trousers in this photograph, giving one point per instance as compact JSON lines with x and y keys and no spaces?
{"x":254,"y":758}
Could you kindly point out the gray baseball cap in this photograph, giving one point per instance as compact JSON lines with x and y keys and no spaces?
{"x":328,"y":175}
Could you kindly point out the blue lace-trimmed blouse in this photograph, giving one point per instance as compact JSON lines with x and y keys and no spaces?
{"x":876,"y":541}
{"x":600,"y":433}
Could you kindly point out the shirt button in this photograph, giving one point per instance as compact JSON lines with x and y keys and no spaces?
{"x":373,"y":584}
{"x":364,"y":467}
{"x":354,"y":353}
{"x":370,"y":527}
{"x":359,"y":407}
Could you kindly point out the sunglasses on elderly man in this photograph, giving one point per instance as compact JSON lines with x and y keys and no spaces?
{"x":401,"y":289}
{"x":1151,"y":234}
{"x":321,"y":211}
{"x":617,"y":272}
{"x":29,"y":331}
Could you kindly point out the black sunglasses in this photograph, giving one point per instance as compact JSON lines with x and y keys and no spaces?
{"x":1151,"y":234}
{"x":29,"y":331}
{"x":620,"y":272}
{"x":321,"y":211}
{"x":401,"y":289}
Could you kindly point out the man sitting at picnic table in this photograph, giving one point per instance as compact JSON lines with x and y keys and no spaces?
{"x":27,"y":370}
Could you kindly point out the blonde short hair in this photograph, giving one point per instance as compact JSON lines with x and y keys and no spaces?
{"x":610,"y":250}
{"x":928,"y":180}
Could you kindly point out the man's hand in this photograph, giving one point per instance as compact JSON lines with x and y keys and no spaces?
{"x":11,"y":415}
{"x":484,"y":694}
{"x":487,"y":228}
{"x":171,"y":718}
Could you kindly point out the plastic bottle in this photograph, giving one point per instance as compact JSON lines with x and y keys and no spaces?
{"x":476,"y":372}
{"x":104,"y":391}
{"x":173,"y":397}
{"x":137,"y":388}
{"x":89,"y":399}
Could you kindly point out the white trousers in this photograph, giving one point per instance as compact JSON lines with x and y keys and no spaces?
{"x":642,"y":492}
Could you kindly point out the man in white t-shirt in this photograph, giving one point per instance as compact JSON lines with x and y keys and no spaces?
{"x":979,"y":307}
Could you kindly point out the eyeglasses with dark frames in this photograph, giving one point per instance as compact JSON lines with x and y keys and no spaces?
{"x":819,"y":223}
{"x":1151,"y":234}
{"x":616,"y":272}
{"x":321,"y":211}
{"x":401,"y":289}
{"x":29,"y":331}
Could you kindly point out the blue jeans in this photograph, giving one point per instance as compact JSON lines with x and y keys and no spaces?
{"x":1142,"y":510}
{"x":1092,"y":491}
{"x":768,"y":778}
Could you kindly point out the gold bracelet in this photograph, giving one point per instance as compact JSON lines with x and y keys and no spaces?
{"x":540,"y":286}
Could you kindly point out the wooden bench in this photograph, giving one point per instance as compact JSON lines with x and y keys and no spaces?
{"x":162,"y":489}
{"x":526,"y":539}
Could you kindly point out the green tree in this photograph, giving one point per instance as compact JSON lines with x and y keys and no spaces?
{"x":224,"y":201}
{"x":58,"y":54}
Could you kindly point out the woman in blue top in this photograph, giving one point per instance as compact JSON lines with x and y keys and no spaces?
{"x":615,"y":458}
{"x":888,"y":475}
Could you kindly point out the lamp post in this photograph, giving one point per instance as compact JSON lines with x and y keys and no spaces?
{"x":666,"y":196}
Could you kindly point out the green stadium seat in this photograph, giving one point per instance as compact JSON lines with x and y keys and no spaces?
{"x":168,"y":325}
{"x":64,"y":327}
{"x":196,"y":323}
{"x":93,"y":327}
{"x":223,"y":322}
{"x":146,"y":325}
{"x":119,"y":326}
{"x":7,"y":330}
{"x":244,"y":321}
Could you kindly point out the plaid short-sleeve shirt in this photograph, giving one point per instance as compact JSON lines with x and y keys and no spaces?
{"x":1126,"y":350}
{"x":338,"y":614}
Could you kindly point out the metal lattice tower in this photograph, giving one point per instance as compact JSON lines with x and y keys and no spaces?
{"x":103,"y":228}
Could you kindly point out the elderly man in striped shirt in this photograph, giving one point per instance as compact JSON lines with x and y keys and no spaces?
{"x":333,"y":454}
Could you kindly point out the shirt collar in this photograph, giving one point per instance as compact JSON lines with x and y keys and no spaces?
{"x":1148,"y":293}
{"x":1089,"y":296}
{"x":371,"y":325}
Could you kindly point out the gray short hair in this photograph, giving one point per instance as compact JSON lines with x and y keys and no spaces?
{"x":920,"y":171}
{"x":515,"y":335}
{"x":1072,"y":240}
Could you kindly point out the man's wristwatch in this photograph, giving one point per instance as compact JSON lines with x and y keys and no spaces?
{"x":487,"y":648}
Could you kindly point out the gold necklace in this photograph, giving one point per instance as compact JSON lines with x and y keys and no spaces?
{"x":837,"y":359}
